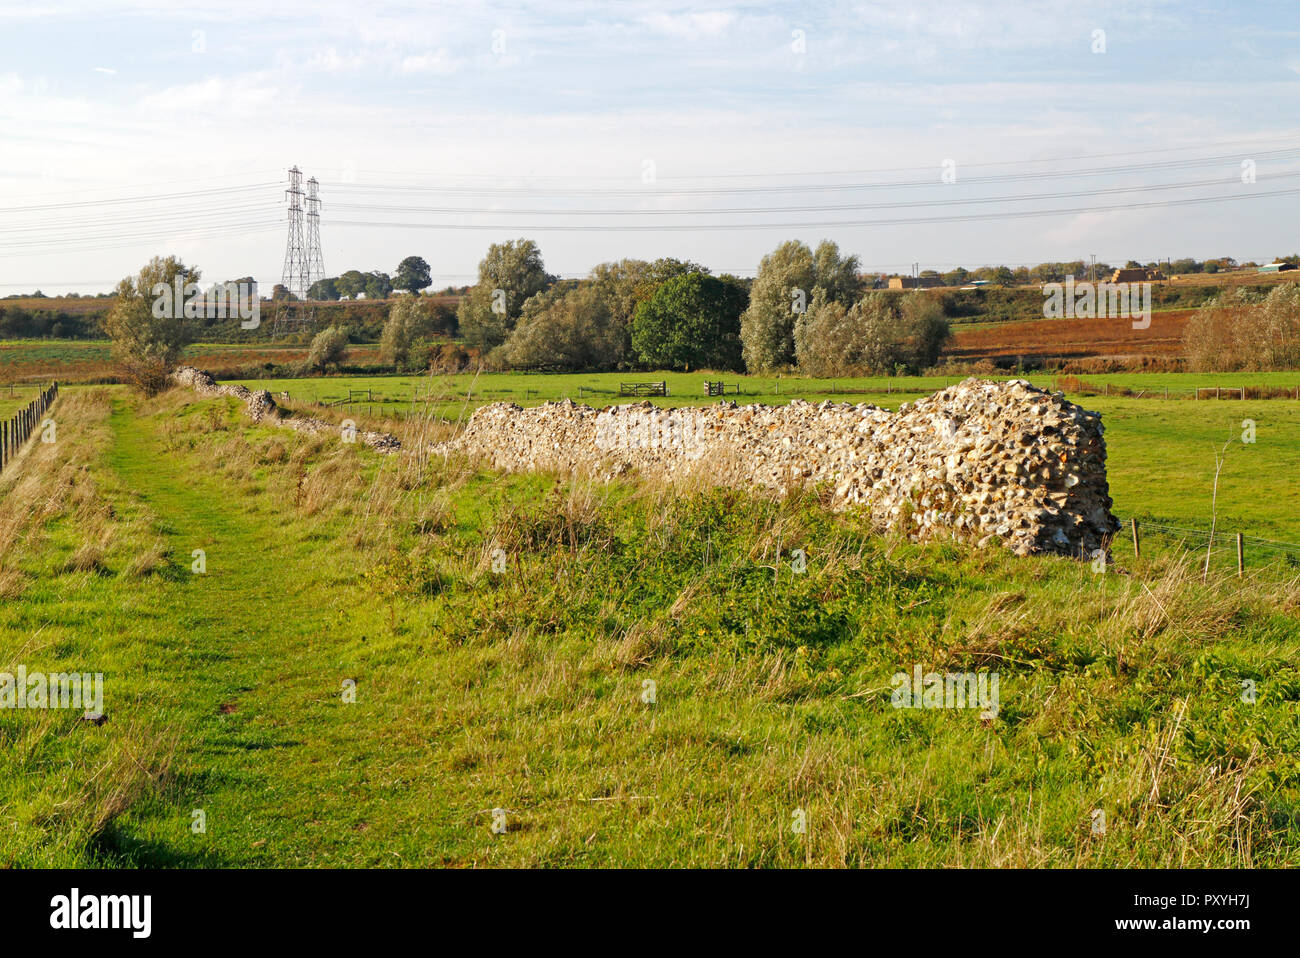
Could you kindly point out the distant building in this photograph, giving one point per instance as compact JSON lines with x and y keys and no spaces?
{"x":1136,"y":274}
{"x":1277,"y":267}
{"x":915,"y":282}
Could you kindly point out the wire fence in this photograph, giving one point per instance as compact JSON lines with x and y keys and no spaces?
{"x":16,"y":430}
{"x":1238,"y":547}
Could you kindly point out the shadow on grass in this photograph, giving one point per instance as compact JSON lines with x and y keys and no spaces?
{"x":116,"y":847}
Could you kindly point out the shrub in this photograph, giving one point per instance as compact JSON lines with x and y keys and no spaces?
{"x":395,"y":342}
{"x":1242,"y":330}
{"x":329,"y":347}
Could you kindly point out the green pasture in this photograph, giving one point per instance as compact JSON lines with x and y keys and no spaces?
{"x":393,"y":665}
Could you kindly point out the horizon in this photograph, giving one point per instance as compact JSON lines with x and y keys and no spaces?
{"x":964,"y":136}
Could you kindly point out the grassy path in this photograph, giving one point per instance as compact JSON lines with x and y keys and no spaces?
{"x":245,"y":648}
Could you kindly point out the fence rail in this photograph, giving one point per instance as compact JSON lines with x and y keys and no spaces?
{"x":643,"y":389}
{"x":19,"y":428}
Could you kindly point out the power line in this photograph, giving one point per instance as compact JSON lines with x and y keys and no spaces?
{"x":188,"y":179}
{"x":151,"y":238}
{"x":690,"y":227}
{"x":201,"y":215}
{"x":858,"y":172}
{"x":813,"y":188}
{"x":155,"y":198}
{"x":1030,"y":197}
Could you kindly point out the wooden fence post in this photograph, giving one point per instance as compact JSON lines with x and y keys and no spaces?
{"x":1137,"y":543}
{"x":1241,"y":554}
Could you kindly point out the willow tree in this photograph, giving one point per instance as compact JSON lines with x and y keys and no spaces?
{"x":147,"y":326}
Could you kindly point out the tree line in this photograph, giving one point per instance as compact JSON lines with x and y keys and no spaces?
{"x":411,"y":276}
{"x":807,"y":309}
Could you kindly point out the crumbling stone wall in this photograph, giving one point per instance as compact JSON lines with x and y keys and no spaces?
{"x":262,"y":408}
{"x":981,"y":461}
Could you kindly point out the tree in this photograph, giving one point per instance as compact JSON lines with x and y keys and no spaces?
{"x":878,"y":334}
{"x":618,"y":286}
{"x":573,"y":327}
{"x":323,"y":289}
{"x":926,"y":330}
{"x":146,"y":325}
{"x":691,"y":322}
{"x":836,"y":275}
{"x":626,"y":284}
{"x":280,"y":293}
{"x":412,"y":275}
{"x":351,"y":284}
{"x":329,"y":347}
{"x":788,"y":278}
{"x":378,"y":285}
{"x":395,"y":342}
{"x":655,"y":274}
{"x":508,"y":276}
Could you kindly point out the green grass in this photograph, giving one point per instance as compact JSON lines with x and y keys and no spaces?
{"x":447,"y":393}
{"x":524,"y":690}
{"x":13,"y":400}
{"x":1161,"y":453}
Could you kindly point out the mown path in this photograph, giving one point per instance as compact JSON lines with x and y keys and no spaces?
{"x":245,"y":647}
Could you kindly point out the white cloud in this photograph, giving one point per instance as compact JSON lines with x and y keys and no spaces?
{"x":437,"y":62}
{"x":331,"y":61}
{"x":690,"y":26}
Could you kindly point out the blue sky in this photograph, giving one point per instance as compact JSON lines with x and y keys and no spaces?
{"x":103,"y":101}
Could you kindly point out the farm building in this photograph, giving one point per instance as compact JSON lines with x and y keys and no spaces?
{"x":1277,"y":267}
{"x":915,"y":282}
{"x":1136,"y":274}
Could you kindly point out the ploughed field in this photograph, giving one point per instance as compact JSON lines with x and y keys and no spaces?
{"x":1066,"y":339}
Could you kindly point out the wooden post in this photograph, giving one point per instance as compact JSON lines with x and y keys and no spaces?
{"x":1241,"y":554}
{"x":1137,"y":542}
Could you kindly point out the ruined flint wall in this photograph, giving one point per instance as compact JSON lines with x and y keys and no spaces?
{"x":980,"y":461}
{"x":261,"y":407}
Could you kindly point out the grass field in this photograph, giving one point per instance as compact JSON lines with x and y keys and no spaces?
{"x":83,"y":361}
{"x":647,"y":681}
{"x":1162,"y":452}
{"x":14,"y":398}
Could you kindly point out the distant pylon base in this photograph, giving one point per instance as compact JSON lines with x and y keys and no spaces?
{"x":292,"y":317}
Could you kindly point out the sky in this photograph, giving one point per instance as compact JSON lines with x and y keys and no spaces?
{"x":605,"y":130}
